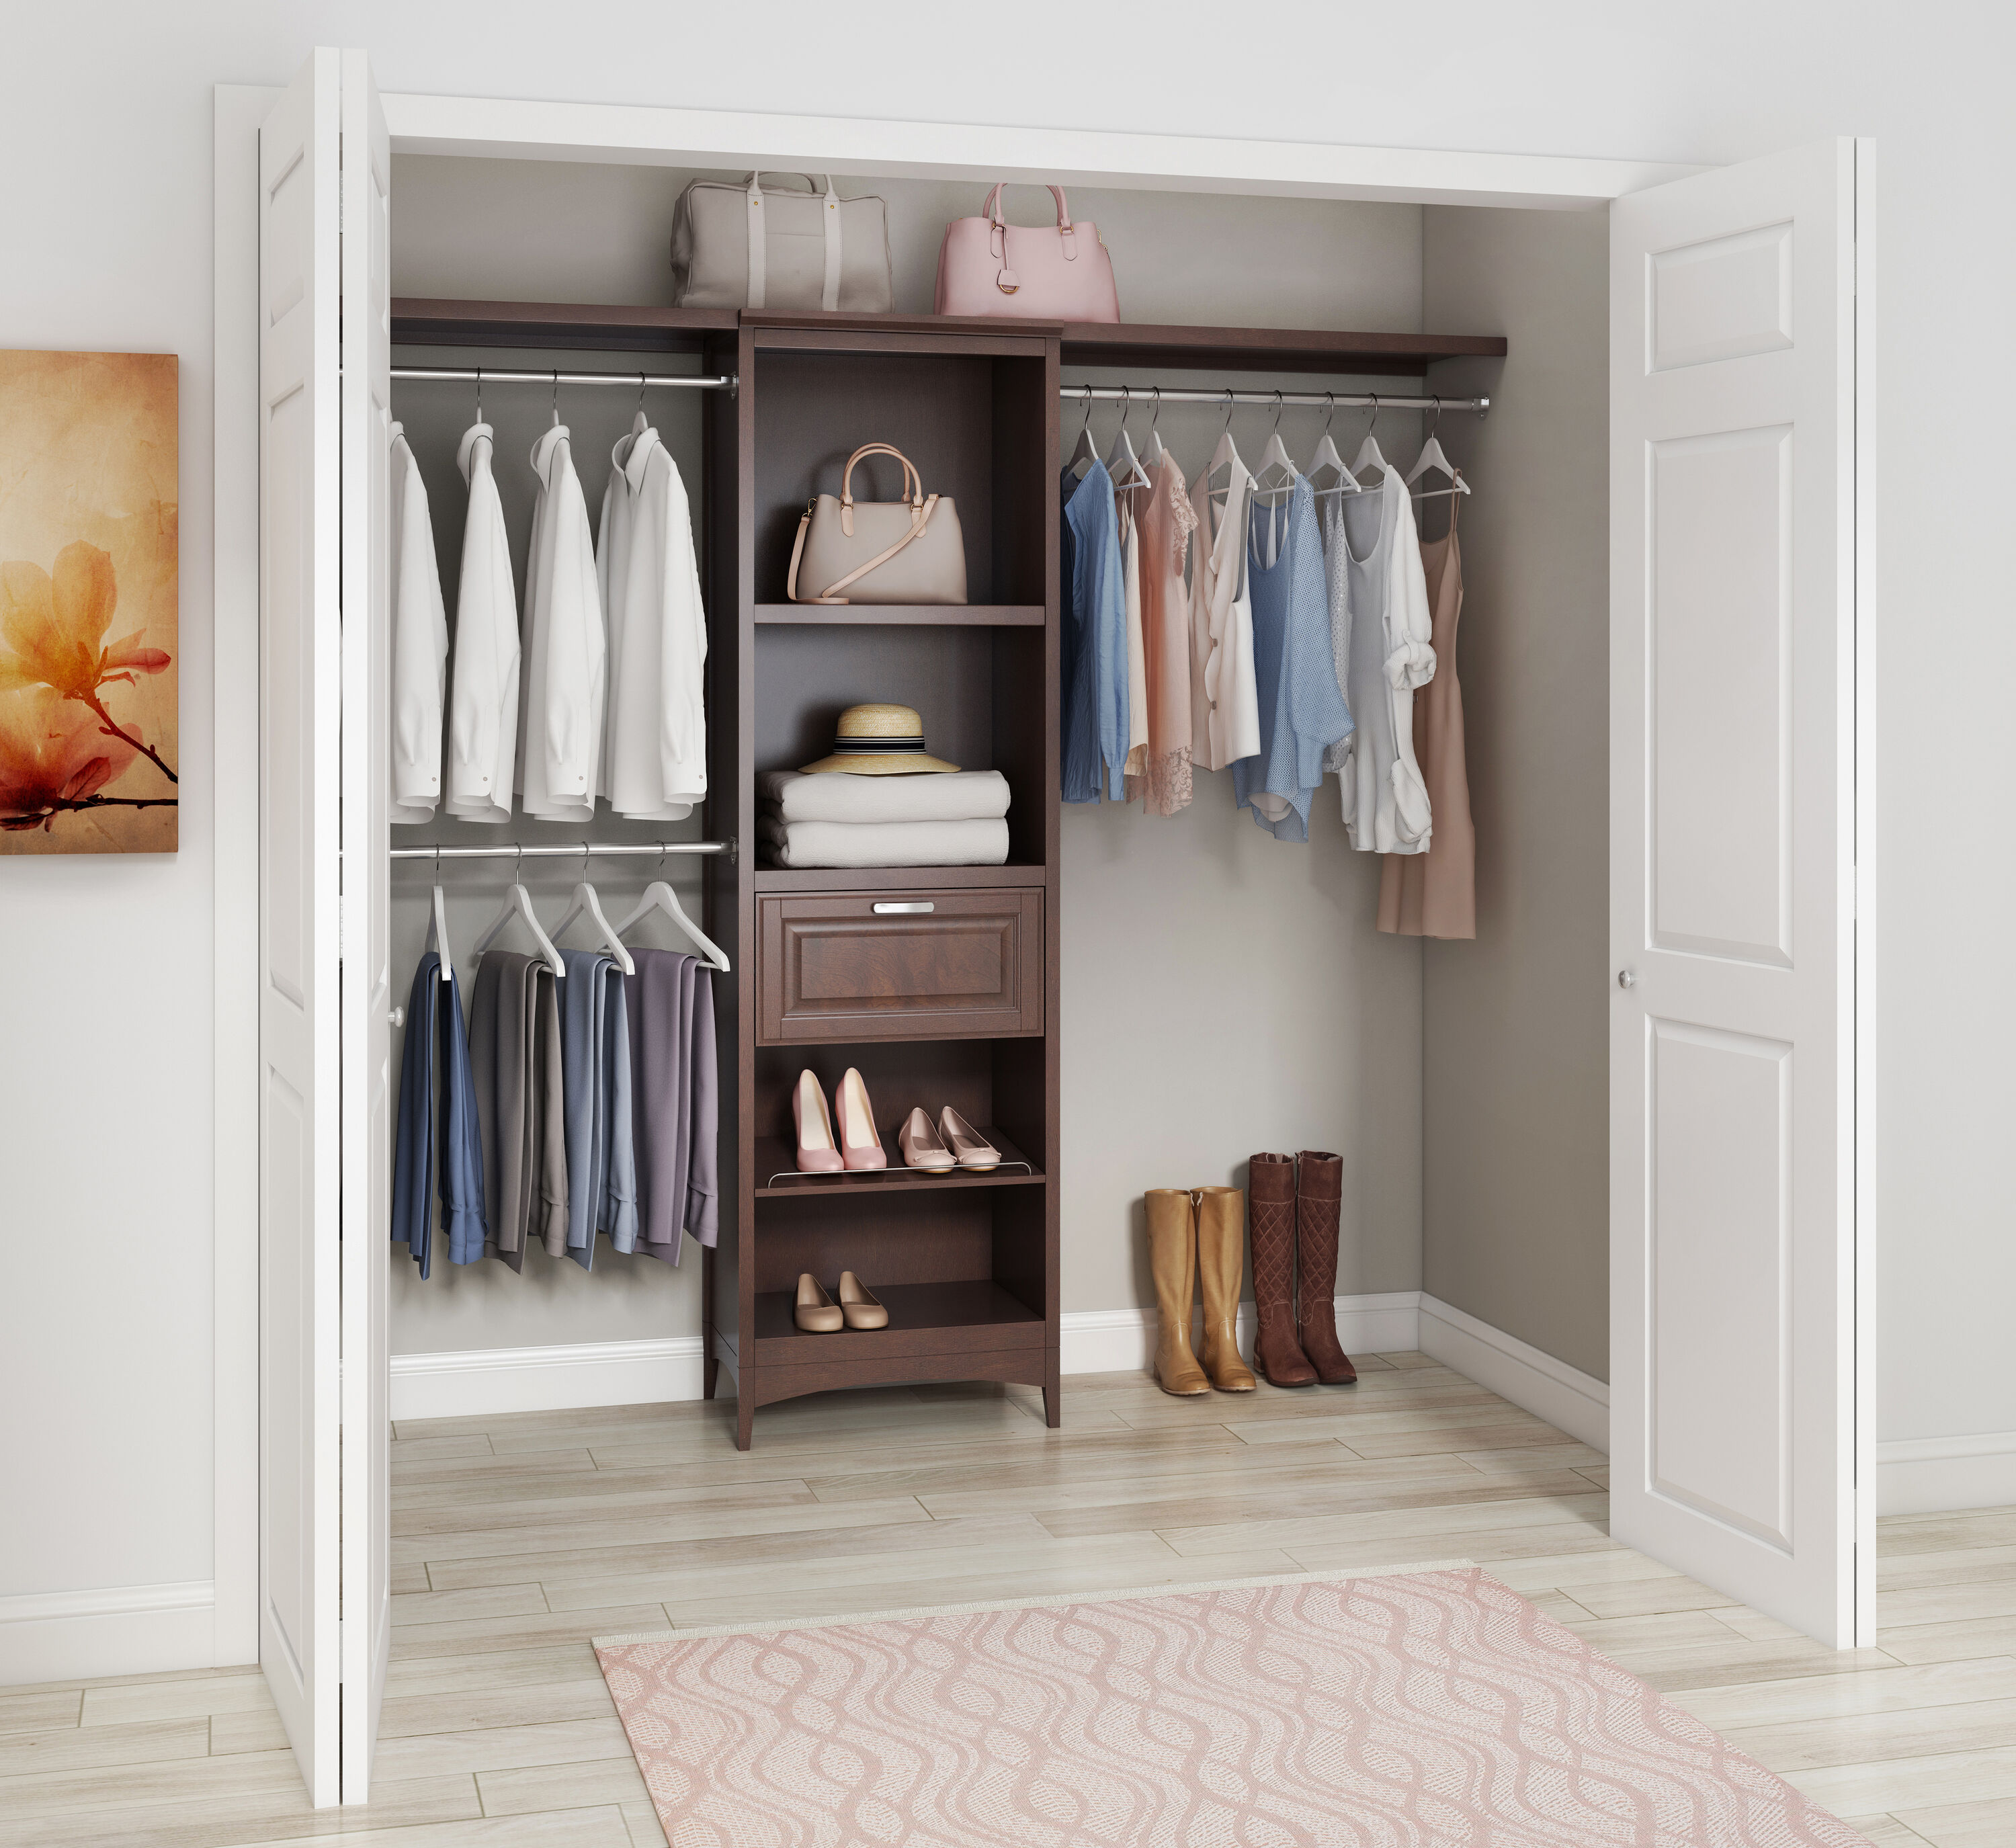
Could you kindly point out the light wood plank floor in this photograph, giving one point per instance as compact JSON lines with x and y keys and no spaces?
{"x":518,"y":1538}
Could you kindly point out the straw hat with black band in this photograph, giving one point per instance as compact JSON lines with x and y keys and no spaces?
{"x":879,"y":741}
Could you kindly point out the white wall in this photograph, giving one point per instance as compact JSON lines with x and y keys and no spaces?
{"x":105,"y":223}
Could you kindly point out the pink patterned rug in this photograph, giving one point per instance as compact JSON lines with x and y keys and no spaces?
{"x":1409,"y":1710}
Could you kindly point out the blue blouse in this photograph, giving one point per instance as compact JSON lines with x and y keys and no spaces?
{"x":1302,"y":710}
{"x":1094,"y":641}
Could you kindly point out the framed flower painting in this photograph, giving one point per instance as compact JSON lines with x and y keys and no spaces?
{"x":88,"y":652}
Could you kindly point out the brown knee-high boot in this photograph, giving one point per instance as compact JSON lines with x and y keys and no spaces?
{"x":1221,"y":1223}
{"x":1172,"y":1259}
{"x":1319,"y":1197}
{"x":1271,"y":1224}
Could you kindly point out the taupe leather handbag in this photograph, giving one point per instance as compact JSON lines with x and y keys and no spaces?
{"x":740,"y":246}
{"x":907,"y":551}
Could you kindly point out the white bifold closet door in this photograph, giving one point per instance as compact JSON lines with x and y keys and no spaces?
{"x":325,"y":998}
{"x":1738,"y":1454}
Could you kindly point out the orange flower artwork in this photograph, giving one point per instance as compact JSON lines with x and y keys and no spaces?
{"x":88,"y":603}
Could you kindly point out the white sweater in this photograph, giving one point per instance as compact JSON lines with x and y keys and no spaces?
{"x":483,"y":706}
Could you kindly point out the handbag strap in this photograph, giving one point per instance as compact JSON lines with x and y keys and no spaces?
{"x":912,"y":482}
{"x":920,"y":517}
{"x":997,"y":234}
{"x":992,"y":210}
{"x":830,"y":224}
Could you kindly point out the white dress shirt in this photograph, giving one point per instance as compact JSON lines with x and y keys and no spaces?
{"x":419,"y":644}
{"x":658,"y":740}
{"x":612,"y":568}
{"x":560,"y":698}
{"x":483,"y":703}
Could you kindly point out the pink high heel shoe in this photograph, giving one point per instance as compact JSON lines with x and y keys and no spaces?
{"x":817,"y":1151}
{"x":859,"y":1145}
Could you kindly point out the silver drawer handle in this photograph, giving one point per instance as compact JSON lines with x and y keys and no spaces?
{"x":908,"y":906}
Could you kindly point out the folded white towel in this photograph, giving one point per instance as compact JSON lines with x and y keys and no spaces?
{"x":835,"y":795}
{"x":967,"y":843}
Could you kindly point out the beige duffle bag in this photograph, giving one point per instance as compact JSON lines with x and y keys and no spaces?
{"x":744,"y":246}
{"x":907,"y":551}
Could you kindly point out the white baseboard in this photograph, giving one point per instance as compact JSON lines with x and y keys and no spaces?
{"x":122,"y":1630}
{"x":482,"y":1381}
{"x":1937,"y":1476}
{"x":1568,"y":1399}
{"x":1123,"y":1340}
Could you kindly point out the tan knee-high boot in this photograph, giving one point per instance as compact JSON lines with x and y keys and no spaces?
{"x":1172,"y":1258}
{"x":1221,"y":1224}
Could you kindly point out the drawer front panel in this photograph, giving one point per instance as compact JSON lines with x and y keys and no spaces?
{"x":927,"y":964}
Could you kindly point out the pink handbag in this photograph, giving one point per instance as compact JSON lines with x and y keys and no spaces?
{"x":986,"y":266}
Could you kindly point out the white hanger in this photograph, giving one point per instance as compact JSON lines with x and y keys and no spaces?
{"x":659,"y":896}
{"x":1274,"y":456}
{"x":1368,"y":456}
{"x":1155,"y":451}
{"x":1226,"y":455}
{"x":1432,"y":457}
{"x":585,"y":900}
{"x":1327,"y":457}
{"x":518,"y":903}
{"x":1085,"y":453}
{"x":1121,"y":464}
{"x":437,"y":924}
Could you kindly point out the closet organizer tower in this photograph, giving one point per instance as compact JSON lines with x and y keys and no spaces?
{"x":939,"y":984}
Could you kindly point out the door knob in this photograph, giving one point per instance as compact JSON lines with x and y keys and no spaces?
{"x":1626,"y":979}
{"x":398,"y":1017}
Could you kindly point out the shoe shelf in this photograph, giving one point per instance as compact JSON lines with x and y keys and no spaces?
{"x":974,"y":1316}
{"x":776,"y":1176}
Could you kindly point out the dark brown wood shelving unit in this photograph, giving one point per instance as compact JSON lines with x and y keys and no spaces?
{"x":957,"y":1005}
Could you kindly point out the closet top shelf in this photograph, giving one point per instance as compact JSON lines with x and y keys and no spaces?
{"x":593,"y":326}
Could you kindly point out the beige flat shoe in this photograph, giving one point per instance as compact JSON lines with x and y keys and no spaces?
{"x":921,"y":1146}
{"x":858,"y":1304}
{"x":815,"y":1312}
{"x":972,"y":1154}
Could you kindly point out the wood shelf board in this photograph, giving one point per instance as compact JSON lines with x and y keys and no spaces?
{"x":774,"y":1175}
{"x":1267,"y":349}
{"x":876,"y":879}
{"x":907,"y":615}
{"x":951,"y":1319}
{"x":421,"y":320}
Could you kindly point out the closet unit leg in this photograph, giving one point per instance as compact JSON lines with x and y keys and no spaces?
{"x":1053,"y":1399}
{"x":745,"y":1418}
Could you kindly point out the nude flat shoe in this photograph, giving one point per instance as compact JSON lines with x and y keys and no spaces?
{"x":859,"y":1146}
{"x":815,"y":1312}
{"x":858,"y":1304}
{"x":972,"y":1154}
{"x":921,"y":1146}
{"x":817,"y":1153}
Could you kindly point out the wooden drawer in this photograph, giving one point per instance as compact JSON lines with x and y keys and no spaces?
{"x":925,"y":965}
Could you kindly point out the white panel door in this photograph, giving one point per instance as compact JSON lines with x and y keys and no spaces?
{"x":300,"y":706}
{"x":367,"y":997}
{"x":1733,"y":1418}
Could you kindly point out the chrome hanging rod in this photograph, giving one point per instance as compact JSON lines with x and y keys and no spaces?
{"x":1146,"y":396}
{"x":574,"y":851}
{"x":483,"y":376}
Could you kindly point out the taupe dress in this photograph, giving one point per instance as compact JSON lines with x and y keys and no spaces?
{"x":1434,"y":894}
